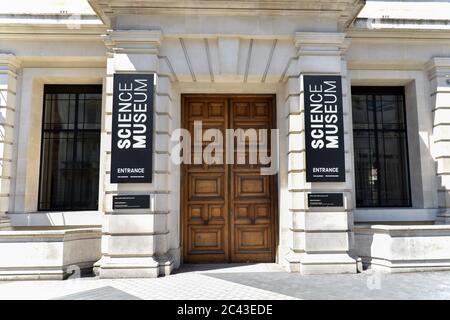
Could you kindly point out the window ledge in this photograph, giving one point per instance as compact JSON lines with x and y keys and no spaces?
{"x":394,"y":214}
{"x":56,"y":218}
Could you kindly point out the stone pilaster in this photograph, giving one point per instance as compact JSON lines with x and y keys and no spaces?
{"x":8,"y":79}
{"x":320,"y":237}
{"x":135,"y":243}
{"x":439,"y":75}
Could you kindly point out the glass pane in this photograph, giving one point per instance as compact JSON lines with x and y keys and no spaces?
{"x":57,"y":169}
{"x":86,"y":170}
{"x":380,"y":150}
{"x":90,"y":113}
{"x":391,"y":107}
{"x":59,"y":112}
{"x":70,"y":155}
{"x":393,"y":171}
{"x":366,"y":169}
{"x":362,"y":111}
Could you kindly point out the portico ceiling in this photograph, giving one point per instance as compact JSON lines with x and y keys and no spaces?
{"x":226,"y":60}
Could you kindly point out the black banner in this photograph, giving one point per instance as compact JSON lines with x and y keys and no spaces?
{"x":324,"y":128}
{"x":132,"y":128}
{"x":325,"y":200}
{"x":140,"y":201}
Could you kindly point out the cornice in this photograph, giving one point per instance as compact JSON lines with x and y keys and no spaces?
{"x":412,"y":35}
{"x":319,"y":38}
{"x":438,"y":67}
{"x":406,"y":24}
{"x":321,"y":42}
{"x":343,"y":10}
{"x":51,"y":32}
{"x":133,"y":40}
{"x":9,"y":62}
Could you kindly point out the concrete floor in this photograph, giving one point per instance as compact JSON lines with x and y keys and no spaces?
{"x":239,"y":281}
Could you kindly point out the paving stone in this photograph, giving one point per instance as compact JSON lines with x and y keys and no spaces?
{"x":104,"y":293}
{"x":238,"y":282}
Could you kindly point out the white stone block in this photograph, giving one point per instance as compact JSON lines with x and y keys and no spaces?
{"x":128,"y":267}
{"x":135,"y":223}
{"x":135,"y":62}
{"x":293,"y":86}
{"x":163,"y":104}
{"x":163,"y":85}
{"x":47,"y":255}
{"x":319,"y":64}
{"x":325,"y":221}
{"x":298,"y":200}
{"x":108,"y":103}
{"x":441,"y":132}
{"x":298,"y":240}
{"x":298,"y":220}
{"x":4,"y":197}
{"x":326,"y":263}
{"x":294,"y":104}
{"x":7,"y":115}
{"x":8,"y":82}
{"x":161,"y":162}
{"x":442,"y":148}
{"x":296,"y":161}
{"x":404,"y":248}
{"x":296,"y":142}
{"x":443,"y":165}
{"x":130,"y":244}
{"x":296,"y":180}
{"x":162,"y":123}
{"x":109,"y":84}
{"x":296,"y":123}
{"x":326,"y":241}
{"x":442,"y":115}
{"x":162,"y":142}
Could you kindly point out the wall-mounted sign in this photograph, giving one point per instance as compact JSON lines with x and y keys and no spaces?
{"x":324,"y":128}
{"x":132,"y":128}
{"x":325,"y":200}
{"x":140,"y":201}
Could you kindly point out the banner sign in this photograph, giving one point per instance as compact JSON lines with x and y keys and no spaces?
{"x":141,"y":201}
{"x":325,"y":200}
{"x":132,"y":128}
{"x":324,"y":128}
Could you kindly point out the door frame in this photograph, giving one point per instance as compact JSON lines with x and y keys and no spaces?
{"x":183,"y":192}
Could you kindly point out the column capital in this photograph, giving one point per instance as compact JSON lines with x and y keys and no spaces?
{"x":321,"y":43}
{"x":136,"y":41}
{"x":438,"y":67}
{"x":9,"y":62}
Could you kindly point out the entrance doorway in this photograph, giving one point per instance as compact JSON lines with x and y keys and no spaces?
{"x":228,"y":210}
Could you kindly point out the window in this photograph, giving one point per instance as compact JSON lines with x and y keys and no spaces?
{"x":70,"y":148}
{"x":380,"y":145}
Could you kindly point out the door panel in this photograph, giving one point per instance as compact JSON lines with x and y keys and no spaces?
{"x":253,"y":195}
{"x":228,"y":211}
{"x":205,"y":188}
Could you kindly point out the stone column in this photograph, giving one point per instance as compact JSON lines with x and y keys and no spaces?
{"x":320,"y":236}
{"x":8,"y":79}
{"x":135,"y":242}
{"x":439,"y":75}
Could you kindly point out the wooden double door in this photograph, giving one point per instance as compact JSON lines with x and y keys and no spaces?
{"x":228,"y":210}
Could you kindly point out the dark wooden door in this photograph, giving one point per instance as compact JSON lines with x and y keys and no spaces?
{"x":228,"y":210}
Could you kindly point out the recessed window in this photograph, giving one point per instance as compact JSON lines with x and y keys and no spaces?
{"x":380,"y":147}
{"x":70,"y":148}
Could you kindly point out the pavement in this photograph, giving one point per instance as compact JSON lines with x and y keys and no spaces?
{"x":238,"y":282}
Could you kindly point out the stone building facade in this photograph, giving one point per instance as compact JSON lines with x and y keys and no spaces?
{"x":393,"y":60}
